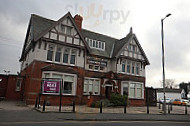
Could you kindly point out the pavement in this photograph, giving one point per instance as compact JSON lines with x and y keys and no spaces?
{"x":14,"y":111}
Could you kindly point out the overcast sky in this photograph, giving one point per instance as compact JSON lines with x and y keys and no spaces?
{"x":113,"y":18}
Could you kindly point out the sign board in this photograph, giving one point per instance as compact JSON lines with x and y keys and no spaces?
{"x":51,"y":86}
{"x":96,"y":62}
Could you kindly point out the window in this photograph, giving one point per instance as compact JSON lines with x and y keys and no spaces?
{"x":50,"y":52}
{"x":133,"y":68}
{"x":90,"y":66}
{"x":73,"y":55}
{"x":134,"y":48}
{"x":91,"y":85}
{"x":68,"y":30}
{"x":63,"y":28}
{"x":68,"y":86}
{"x":90,"y":41}
{"x":18,"y":84}
{"x":139,"y":90}
{"x":133,"y":89}
{"x":128,"y":67}
{"x":123,"y":67}
{"x":125,"y":88}
{"x":101,"y":68}
{"x":46,"y":75}
{"x":94,"y":43}
{"x":68,"y":82}
{"x":103,"y":45}
{"x":96,"y":67}
{"x":137,"y":68}
{"x":66,"y":55}
{"x":58,"y":54}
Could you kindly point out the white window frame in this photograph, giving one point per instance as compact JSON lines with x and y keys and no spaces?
{"x":87,"y":78}
{"x":133,"y":82}
{"x":18,"y":87}
{"x":74,"y":85}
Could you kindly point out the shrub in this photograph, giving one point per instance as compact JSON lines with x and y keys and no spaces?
{"x":105,"y":103}
{"x":118,"y":100}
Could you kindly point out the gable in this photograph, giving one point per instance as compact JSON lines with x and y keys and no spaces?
{"x":130,"y":47}
{"x":132,"y":50}
{"x":66,"y":31}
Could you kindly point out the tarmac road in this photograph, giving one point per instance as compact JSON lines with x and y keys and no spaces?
{"x":97,"y":123}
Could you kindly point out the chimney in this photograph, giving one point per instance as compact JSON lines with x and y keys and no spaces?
{"x":78,"y":20}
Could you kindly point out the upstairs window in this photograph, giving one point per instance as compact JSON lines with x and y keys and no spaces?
{"x":96,"y":44}
{"x":123,"y":67}
{"x":128,"y":67}
{"x":66,"y":55}
{"x":50,"y":52}
{"x":58,"y":54}
{"x":73,"y":56}
{"x":66,"y":29}
{"x":137,"y":68}
{"x":133,"y":68}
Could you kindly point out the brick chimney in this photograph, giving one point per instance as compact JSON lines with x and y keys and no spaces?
{"x":78,"y":20}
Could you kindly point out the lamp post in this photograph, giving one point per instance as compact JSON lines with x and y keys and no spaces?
{"x":162,"y":20}
{"x":7,"y":72}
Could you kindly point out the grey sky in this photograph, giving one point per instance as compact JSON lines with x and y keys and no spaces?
{"x":113,"y":18}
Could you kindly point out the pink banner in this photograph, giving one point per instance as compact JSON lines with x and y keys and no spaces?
{"x":51,"y":87}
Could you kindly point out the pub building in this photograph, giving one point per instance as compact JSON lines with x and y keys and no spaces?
{"x":85,"y":63}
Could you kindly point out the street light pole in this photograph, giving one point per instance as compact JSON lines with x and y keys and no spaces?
{"x":163,"y":61}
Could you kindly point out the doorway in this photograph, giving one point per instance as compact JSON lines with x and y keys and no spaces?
{"x":108,"y":91}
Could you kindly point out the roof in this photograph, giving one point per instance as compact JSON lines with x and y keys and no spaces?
{"x":40,"y":26}
{"x":109,"y":41}
{"x":169,"y":90}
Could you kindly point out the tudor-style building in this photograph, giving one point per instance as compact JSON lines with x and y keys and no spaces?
{"x":85,"y":60}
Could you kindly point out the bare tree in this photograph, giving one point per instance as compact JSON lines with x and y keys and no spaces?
{"x":169,"y":83}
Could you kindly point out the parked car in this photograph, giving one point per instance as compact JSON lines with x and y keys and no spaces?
{"x":184,"y":101}
{"x":176,"y":102}
{"x":167,"y":100}
{"x":180,"y":102}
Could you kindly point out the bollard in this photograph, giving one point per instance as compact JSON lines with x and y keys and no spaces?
{"x":168,"y":108}
{"x":147,"y":109}
{"x":44,"y":106}
{"x":162,"y":106}
{"x":73,"y":106}
{"x":159,"y":107}
{"x":185,"y":109}
{"x":125,"y":107}
{"x":101,"y":107}
{"x":36,"y":103}
{"x":171,"y":107}
{"x":39,"y":102}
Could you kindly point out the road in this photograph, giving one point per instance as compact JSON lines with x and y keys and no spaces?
{"x":96,"y":123}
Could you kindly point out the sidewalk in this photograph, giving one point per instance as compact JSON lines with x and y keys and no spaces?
{"x":21,"y":113}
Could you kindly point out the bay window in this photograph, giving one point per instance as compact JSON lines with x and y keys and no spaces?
{"x":66,"y":55}
{"x":58,"y":54}
{"x":73,"y":56}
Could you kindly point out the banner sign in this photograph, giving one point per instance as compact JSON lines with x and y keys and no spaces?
{"x":51,"y":86}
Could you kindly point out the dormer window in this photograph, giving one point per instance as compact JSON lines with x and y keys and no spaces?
{"x":96,"y":44}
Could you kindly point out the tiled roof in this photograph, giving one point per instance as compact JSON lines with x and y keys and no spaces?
{"x":39,"y":25}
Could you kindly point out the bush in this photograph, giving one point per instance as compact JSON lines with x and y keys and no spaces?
{"x":105,"y":103}
{"x":118,"y":100}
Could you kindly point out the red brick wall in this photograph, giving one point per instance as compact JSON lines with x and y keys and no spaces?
{"x":11,"y":93}
{"x":3,"y":85}
{"x":33,"y":75}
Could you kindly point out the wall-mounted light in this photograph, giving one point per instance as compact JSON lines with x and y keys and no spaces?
{"x":0,"y":80}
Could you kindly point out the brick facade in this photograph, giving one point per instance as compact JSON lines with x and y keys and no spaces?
{"x":33,"y":77}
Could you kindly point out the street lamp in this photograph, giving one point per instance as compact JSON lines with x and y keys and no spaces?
{"x":162,"y":20}
{"x":6,"y":71}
